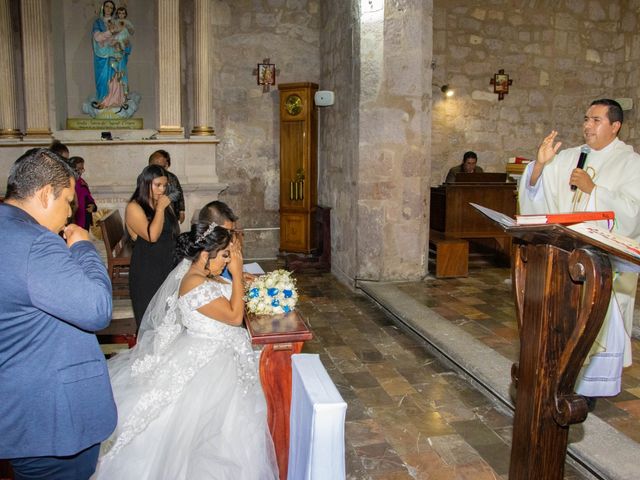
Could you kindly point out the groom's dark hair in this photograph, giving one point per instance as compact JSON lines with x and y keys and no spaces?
{"x":216,"y":212}
{"x":36,"y":169}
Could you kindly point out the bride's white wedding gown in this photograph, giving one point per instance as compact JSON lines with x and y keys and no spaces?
{"x":192,"y":406}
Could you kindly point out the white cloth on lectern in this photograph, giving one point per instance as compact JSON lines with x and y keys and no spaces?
{"x":615,"y":170}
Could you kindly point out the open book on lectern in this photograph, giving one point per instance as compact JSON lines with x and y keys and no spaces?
{"x":501,"y":218}
{"x":568,"y":218}
{"x":588,"y":231}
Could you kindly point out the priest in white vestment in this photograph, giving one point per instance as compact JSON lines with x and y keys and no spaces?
{"x":609,"y":180}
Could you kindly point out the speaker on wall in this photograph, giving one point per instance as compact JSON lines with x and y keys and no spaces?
{"x":324,"y":98}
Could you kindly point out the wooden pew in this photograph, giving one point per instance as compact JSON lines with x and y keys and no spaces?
{"x":282,"y":336}
{"x":122,"y":332}
{"x":448,"y":256}
{"x":118,"y":252}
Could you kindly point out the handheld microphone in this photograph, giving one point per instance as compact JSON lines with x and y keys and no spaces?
{"x":584,"y":151}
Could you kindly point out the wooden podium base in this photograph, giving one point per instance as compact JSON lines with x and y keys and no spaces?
{"x":561,"y":297}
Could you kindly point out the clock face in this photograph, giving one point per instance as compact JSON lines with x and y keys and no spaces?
{"x":293,"y":105}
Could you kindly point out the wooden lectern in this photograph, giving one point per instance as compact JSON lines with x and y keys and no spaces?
{"x":562,"y":283}
{"x":282,"y":336}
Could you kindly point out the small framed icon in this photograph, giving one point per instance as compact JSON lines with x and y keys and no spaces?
{"x":266,"y":74}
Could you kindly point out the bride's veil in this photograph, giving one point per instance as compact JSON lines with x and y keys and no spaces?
{"x":161,"y":324}
{"x":132,"y":371}
{"x":163,"y":309}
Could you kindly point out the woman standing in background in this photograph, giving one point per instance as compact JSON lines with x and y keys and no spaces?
{"x":85,"y":203}
{"x":153,"y":227}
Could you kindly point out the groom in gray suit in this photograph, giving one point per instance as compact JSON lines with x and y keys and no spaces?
{"x":56,"y":404}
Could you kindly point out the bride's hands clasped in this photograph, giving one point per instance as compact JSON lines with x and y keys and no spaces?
{"x":235,"y":261}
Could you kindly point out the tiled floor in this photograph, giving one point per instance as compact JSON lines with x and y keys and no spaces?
{"x":482,"y":305}
{"x":409,"y":416}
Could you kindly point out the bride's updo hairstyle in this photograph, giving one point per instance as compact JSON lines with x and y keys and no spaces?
{"x":202,"y":237}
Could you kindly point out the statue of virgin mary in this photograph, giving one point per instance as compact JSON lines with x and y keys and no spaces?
{"x":110,"y":58}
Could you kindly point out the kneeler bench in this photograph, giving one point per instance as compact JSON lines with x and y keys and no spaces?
{"x":448,"y":256}
{"x":118,"y":252}
{"x":121,"y":333}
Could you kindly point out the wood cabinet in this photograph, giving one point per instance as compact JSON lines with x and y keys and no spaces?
{"x":451,"y":214}
{"x":298,"y":166}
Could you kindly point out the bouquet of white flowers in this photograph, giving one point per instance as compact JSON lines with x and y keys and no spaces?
{"x":272,"y":293}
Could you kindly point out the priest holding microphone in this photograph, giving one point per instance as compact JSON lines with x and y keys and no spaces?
{"x":603,"y":174}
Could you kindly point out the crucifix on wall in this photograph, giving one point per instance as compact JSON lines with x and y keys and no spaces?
{"x":266,"y":74}
{"x":501,"y":83}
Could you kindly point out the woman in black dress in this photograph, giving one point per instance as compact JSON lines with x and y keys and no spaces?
{"x":153,"y":227}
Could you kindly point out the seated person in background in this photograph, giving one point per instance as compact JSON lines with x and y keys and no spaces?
{"x":469,"y":165}
{"x":174,"y":189}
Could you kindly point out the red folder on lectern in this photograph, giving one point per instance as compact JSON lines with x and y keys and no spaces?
{"x":564,"y":218}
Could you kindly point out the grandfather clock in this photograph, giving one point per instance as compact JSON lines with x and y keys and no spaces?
{"x":298,"y":166}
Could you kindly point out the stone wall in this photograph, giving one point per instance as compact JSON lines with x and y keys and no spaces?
{"x":375,"y":141}
{"x":338,"y":129}
{"x":394,"y":144}
{"x":246,"y":119}
{"x":627,"y":78}
{"x":560,"y":56}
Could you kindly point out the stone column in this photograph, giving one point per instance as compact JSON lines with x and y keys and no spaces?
{"x":170,"y":120}
{"x":202,"y":101}
{"x":34,"y":58}
{"x":8,"y":106}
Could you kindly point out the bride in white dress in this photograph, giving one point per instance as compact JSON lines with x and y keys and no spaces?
{"x":190,"y":403}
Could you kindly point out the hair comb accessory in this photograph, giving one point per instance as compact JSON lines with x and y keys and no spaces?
{"x":207,"y":232}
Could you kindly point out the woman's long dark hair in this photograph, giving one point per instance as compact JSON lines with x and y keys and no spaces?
{"x":191,"y":243}
{"x":143,"y":196}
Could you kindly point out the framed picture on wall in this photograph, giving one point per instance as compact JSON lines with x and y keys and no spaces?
{"x":501,"y":83}
{"x":266,"y":74}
